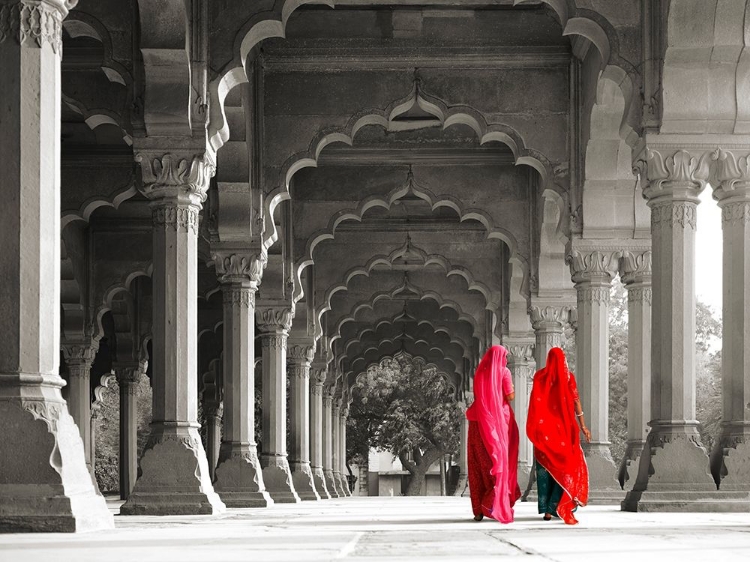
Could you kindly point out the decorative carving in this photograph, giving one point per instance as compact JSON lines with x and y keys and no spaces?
{"x":671,"y":213}
{"x":180,"y":218}
{"x":599,"y":295}
{"x":301,"y":353}
{"x":550,"y":315}
{"x":273,"y":341}
{"x":170,"y":175}
{"x":519,"y":353}
{"x":274,"y":318}
{"x":49,"y":412}
{"x":735,"y":213}
{"x":298,"y":371}
{"x":32,"y":24}
{"x":592,"y":265}
{"x":639,"y":294}
{"x":636,"y":266}
{"x":239,"y":296}
{"x":240,"y":266}
{"x":82,"y":354}
{"x":732,"y":173}
{"x":191,"y":442}
{"x":679,"y":169}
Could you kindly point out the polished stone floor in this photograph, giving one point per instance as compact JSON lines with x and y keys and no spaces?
{"x":395,"y":529}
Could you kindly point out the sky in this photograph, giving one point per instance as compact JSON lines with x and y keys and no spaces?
{"x":708,"y":251}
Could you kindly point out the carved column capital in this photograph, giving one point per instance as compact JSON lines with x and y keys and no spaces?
{"x":274,"y":318}
{"x":674,"y":173}
{"x":128,"y":373}
{"x":180,"y":176}
{"x":302,"y":354}
{"x":80,"y":354}
{"x":593,"y":266}
{"x":636,"y":266}
{"x":521,"y":352}
{"x":214,"y":409}
{"x":34,"y":24}
{"x":733,"y":189}
{"x":549,"y":315}
{"x":237,"y":267}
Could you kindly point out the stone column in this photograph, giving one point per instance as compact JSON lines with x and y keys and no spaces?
{"x":462,"y":489}
{"x":635,"y":273}
{"x":274,"y":323}
{"x":521,"y":365}
{"x":730,"y":462}
{"x":344,"y":471}
{"x":300,"y":358}
{"x":214,"y":412}
{"x":174,"y":476}
{"x":78,"y":358}
{"x":592,"y":271}
{"x":548,"y":322}
{"x":316,"y":431}
{"x":128,"y":376}
{"x":328,"y":443}
{"x":336,"y":445}
{"x":44,"y":484}
{"x":673,"y":470}
{"x":239,"y":478}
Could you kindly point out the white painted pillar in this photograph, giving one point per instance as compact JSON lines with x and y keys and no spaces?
{"x":676,"y":466}
{"x":59,"y":494}
{"x":730,"y":462}
{"x":328,"y":442}
{"x":300,"y":358}
{"x":548,"y":321}
{"x":274,"y":323}
{"x":521,"y":365}
{"x":239,"y":480}
{"x":174,"y":470}
{"x":636,"y":275}
{"x":317,"y":379}
{"x":463,"y":467}
{"x":344,"y":471}
{"x":592,"y":271}
{"x":336,"y":445}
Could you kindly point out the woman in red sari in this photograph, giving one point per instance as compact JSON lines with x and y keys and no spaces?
{"x":554,"y":423}
{"x":493,"y":440}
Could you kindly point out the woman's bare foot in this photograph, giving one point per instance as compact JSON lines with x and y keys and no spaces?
{"x":479,"y":517}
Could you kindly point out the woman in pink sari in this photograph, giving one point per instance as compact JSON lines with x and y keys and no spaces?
{"x":493,"y":440}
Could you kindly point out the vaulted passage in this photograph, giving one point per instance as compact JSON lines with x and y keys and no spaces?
{"x":221,"y":215}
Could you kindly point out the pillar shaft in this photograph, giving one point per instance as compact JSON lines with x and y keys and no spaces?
{"x":521,"y":365}
{"x":274,"y":323}
{"x":176,"y":183}
{"x":78,"y":359}
{"x":730,"y":460}
{"x":344,"y":471}
{"x":636,"y":274}
{"x":673,"y":471}
{"x":328,"y":442}
{"x":58,"y":494}
{"x":239,"y":480}
{"x":317,"y":379}
{"x":127,"y":380}
{"x":214,"y":422}
{"x":548,"y":322}
{"x":300,"y":357}
{"x":336,"y":445}
{"x":463,"y":467}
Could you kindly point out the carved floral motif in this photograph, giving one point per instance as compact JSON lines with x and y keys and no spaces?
{"x":177,"y":218}
{"x":735,"y":213}
{"x":671,"y":214}
{"x":239,"y":296}
{"x":679,"y":169}
{"x":240,"y":265}
{"x":189,"y":175}
{"x":33,"y":24}
{"x":274,"y":318}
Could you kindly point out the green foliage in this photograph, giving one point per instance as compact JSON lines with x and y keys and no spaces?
{"x":400,"y":407}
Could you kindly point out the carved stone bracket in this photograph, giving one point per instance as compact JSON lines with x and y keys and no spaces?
{"x":274,"y":318}
{"x":240,"y":266}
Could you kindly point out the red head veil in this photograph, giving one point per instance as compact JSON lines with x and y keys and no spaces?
{"x":552,"y":427}
{"x":495,"y":429}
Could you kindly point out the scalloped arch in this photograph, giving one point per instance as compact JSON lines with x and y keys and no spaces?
{"x":106,"y":303}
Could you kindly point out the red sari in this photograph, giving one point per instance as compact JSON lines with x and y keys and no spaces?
{"x":492,"y":457}
{"x":552,"y":428}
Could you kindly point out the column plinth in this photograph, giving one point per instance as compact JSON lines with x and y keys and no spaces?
{"x":673,"y":469}
{"x":592,"y":272}
{"x":730,"y":459}
{"x":239,"y":479}
{"x":174,"y":475}
{"x":44,"y":483}
{"x":636,"y":275}
{"x":274,"y":324}
{"x":300,"y":357}
{"x":328,"y":443}
{"x":317,"y":379}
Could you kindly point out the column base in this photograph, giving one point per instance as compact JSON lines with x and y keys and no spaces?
{"x":343,"y":487}
{"x":278,"y":480}
{"x":673,"y":474}
{"x":730,"y":459}
{"x":628,"y":470}
{"x":320,"y":483}
{"x":173,"y":476}
{"x":331,"y":484}
{"x":302,"y":478}
{"x":239,"y":479}
{"x":462,"y":488}
{"x":524,"y":473}
{"x":603,"y":487}
{"x":44,"y":483}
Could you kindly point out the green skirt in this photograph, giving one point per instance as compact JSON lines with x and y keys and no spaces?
{"x":548,"y":490}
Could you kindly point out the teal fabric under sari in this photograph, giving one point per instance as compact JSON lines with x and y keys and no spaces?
{"x":548,"y":490}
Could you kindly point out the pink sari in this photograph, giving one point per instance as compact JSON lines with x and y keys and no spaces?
{"x":498,"y":430}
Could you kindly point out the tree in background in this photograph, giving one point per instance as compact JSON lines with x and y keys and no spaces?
{"x":408,"y":409}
